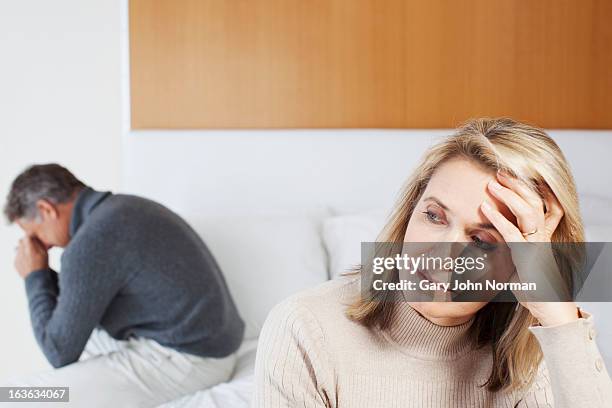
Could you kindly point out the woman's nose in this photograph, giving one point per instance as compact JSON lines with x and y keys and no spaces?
{"x":452,"y":244}
{"x":454,"y":235}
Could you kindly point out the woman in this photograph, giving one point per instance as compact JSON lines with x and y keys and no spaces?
{"x":332,"y":346}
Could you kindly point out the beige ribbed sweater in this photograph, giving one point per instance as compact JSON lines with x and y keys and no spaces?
{"x":311,"y":355}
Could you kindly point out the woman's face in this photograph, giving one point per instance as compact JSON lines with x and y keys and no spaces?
{"x":449,"y":211}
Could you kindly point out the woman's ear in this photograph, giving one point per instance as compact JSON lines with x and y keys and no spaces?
{"x":46,"y":210}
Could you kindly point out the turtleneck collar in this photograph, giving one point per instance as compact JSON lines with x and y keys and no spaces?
{"x":418,"y":336}
{"x":84,"y":204}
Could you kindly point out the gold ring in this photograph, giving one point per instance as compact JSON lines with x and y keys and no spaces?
{"x":525,"y":234}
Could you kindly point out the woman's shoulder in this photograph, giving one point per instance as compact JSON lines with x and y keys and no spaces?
{"x":299,"y":342}
{"x":339,"y":288}
{"x":320,"y":308}
{"x":331,"y":294}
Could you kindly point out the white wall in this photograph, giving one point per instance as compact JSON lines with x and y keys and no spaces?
{"x":60,"y":100}
{"x":267,"y":171}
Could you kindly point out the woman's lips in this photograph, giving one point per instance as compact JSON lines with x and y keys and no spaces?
{"x":425,"y":275}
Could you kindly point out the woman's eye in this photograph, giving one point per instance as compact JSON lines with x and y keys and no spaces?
{"x":487,"y":246}
{"x":433,"y":217}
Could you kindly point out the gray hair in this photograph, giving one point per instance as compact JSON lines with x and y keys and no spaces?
{"x":50,"y":182}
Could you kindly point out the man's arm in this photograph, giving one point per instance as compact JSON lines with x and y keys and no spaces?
{"x":65,"y":308}
{"x":64,"y":315}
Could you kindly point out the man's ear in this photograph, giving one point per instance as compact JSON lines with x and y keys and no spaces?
{"x":47,"y":210}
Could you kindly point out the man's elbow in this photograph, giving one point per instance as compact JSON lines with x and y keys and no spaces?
{"x":59,"y":360}
{"x":58,"y":350}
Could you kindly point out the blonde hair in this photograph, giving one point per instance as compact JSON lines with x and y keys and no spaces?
{"x":531,"y":155}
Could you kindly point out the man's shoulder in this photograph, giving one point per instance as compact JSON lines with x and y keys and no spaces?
{"x":128,"y":202}
{"x":120,"y":212}
{"x":106,"y":224}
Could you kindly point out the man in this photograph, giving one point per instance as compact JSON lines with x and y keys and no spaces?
{"x":135,"y":275}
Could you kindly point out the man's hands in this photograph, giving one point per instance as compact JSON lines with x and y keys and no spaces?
{"x":31,"y":256}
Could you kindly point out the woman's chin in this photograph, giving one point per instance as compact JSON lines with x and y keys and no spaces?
{"x":447,"y":310}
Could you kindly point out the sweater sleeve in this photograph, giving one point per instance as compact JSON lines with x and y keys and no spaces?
{"x":292,"y":367}
{"x":66,"y":307}
{"x":574,"y":375}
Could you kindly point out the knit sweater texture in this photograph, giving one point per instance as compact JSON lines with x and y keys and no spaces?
{"x":135,"y":269}
{"x":311,"y":355}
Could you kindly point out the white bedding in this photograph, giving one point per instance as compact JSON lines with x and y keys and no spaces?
{"x":233,"y":394}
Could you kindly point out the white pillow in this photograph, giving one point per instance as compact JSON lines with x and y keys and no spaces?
{"x":343,"y":236}
{"x":264,"y":259}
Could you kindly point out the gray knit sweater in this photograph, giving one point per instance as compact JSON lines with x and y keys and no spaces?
{"x":134,"y":268}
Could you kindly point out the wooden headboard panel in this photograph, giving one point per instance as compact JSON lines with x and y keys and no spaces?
{"x":369,"y":63}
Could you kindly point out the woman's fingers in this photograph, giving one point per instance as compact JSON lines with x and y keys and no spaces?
{"x":531,"y":210}
{"x":528,"y":217}
{"x":507,"y":229}
{"x":522,"y":189}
